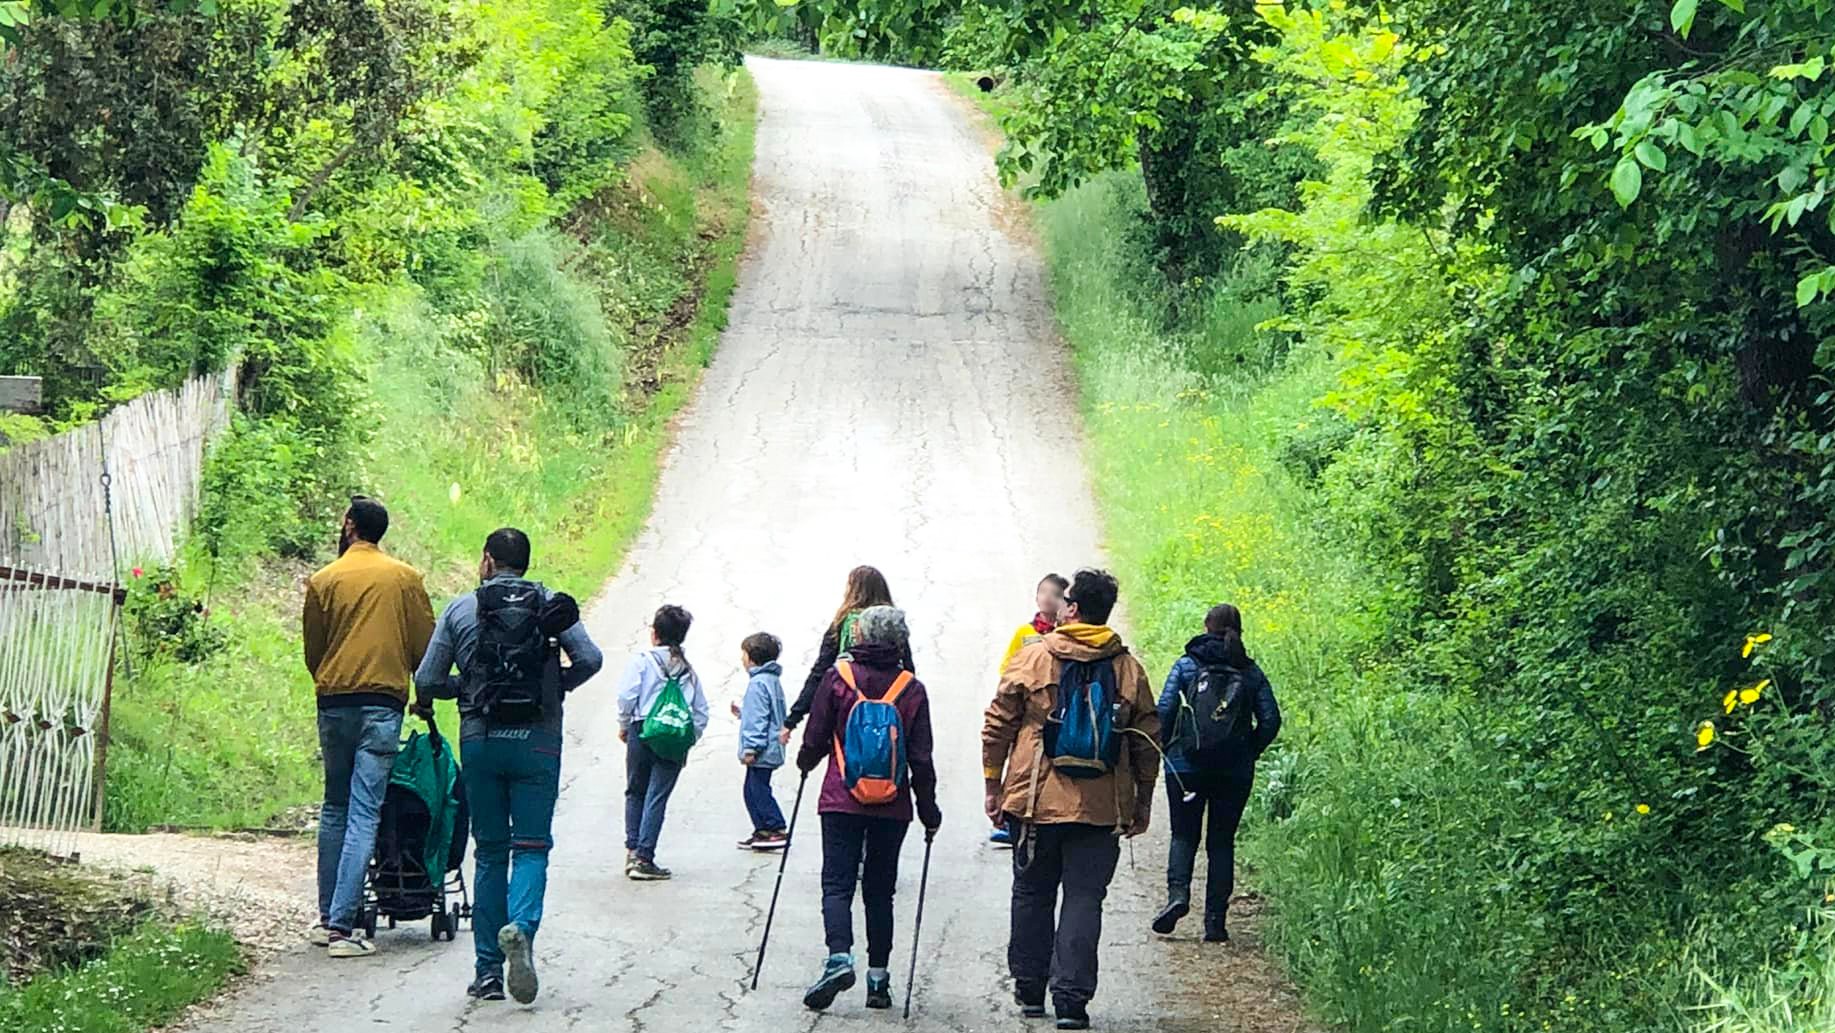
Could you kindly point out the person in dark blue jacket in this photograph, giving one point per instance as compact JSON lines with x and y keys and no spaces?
{"x":1214,"y":776}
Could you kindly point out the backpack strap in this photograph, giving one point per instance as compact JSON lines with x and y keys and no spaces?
{"x":846,"y":671}
{"x":898,"y":685}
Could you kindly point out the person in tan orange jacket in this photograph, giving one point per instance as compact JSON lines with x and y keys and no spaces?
{"x":1070,"y":799}
{"x":365,"y":624}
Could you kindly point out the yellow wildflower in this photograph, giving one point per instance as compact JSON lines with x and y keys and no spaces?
{"x":1643,"y":808}
{"x":1747,"y":697}
{"x":1704,"y":736}
{"x":1731,"y":700}
{"x":1755,"y":641}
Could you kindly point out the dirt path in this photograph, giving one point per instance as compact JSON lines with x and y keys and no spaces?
{"x":889,"y":391}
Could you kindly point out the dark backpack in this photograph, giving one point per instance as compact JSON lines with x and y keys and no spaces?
{"x":515,"y":655}
{"x":1080,"y":736}
{"x":1221,"y":701}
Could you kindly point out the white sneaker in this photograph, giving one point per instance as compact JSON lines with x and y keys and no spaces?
{"x":352,"y":946}
{"x":319,"y":935}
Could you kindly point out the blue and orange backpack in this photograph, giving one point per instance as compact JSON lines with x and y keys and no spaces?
{"x":871,"y":749}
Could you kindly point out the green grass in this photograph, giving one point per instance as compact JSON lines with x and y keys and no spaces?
{"x":232,"y":741}
{"x":145,"y":979}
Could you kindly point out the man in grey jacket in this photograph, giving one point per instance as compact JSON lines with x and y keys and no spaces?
{"x":506,"y":640}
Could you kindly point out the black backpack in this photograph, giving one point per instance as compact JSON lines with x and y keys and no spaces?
{"x":1221,"y":701}
{"x":512,"y":667}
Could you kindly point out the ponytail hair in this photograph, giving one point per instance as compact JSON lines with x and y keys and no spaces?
{"x":671,"y":625}
{"x":1225,"y":622}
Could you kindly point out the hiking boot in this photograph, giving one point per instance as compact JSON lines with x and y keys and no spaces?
{"x":1031,"y":1001}
{"x":319,"y":935}
{"x":348,"y":945}
{"x":837,"y":976}
{"x":1178,"y":905}
{"x":520,"y":961}
{"x":486,"y":988}
{"x":879,"y":990}
{"x":1215,"y":931}
{"x":771,"y":841}
{"x":750,"y":841}
{"x":641,"y":870}
{"x":1073,"y":1018}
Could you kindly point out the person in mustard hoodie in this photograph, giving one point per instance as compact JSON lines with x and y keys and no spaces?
{"x":1070,"y":753}
{"x":365,"y":625}
{"x":1049,"y":598}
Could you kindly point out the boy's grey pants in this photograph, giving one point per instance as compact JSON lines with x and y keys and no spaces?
{"x":1054,"y":947}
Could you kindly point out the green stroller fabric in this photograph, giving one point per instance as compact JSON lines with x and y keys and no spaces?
{"x":425,"y":768}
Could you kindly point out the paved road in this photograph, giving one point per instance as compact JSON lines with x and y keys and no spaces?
{"x":888,"y":391}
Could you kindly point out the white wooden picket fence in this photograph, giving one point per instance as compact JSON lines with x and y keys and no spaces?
{"x":76,"y":511}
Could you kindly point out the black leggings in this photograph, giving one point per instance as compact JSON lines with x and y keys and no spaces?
{"x":859,"y":849}
{"x":1224,"y":794}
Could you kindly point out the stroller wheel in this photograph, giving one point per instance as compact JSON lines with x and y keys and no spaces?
{"x":391,"y":921}
{"x":438,"y":926}
{"x":458,"y":914}
{"x":369,"y":922}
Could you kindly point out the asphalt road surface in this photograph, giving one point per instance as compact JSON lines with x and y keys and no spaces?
{"x":889,"y":391}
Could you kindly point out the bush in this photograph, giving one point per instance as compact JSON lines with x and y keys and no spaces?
{"x":164,"y":621}
{"x":548,"y":328}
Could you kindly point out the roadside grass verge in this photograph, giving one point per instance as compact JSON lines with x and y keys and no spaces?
{"x":230,"y":741}
{"x":100,"y":957}
{"x":145,"y":979}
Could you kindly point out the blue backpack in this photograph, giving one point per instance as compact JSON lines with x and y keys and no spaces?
{"x":1080,"y":735}
{"x":871,"y":749}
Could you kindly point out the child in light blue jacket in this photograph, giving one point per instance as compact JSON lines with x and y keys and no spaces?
{"x":761,"y":715}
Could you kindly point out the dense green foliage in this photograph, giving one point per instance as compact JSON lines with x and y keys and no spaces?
{"x":462,"y":256}
{"x":1503,"y":408}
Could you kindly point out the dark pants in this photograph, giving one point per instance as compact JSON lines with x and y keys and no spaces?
{"x":766,"y":815}
{"x":845,"y":839}
{"x":511,"y":785}
{"x":1223,"y":794}
{"x":1057,"y":946}
{"x":648,"y":781}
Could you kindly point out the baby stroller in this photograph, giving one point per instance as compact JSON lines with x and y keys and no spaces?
{"x":420,"y":841}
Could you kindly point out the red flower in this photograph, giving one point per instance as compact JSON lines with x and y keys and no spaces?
{"x":137,"y":571}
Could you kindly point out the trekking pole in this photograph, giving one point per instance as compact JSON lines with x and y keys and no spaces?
{"x":917,"y":926}
{"x":782,"y":862}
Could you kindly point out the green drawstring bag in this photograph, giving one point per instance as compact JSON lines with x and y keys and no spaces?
{"x":669,"y":726}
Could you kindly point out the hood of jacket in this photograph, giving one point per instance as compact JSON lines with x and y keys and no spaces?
{"x":1084,"y":642}
{"x":878,"y":655}
{"x":1209,"y":650}
{"x":770,"y":667}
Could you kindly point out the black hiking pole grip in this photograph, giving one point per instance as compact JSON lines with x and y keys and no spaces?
{"x":917,"y":925}
{"x":782,"y":862}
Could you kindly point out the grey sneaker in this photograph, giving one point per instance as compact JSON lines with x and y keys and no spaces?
{"x":641,"y":870}
{"x":518,"y":961}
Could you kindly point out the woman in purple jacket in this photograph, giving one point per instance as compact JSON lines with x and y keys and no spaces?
{"x":852,"y":828}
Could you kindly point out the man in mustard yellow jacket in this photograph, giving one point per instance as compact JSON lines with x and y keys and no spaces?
{"x":1069,"y":751}
{"x":366,"y":623}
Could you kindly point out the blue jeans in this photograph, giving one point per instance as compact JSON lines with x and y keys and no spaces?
{"x":759,"y":803}
{"x":359,"y":746}
{"x":648,"y":781}
{"x":511,"y":780}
